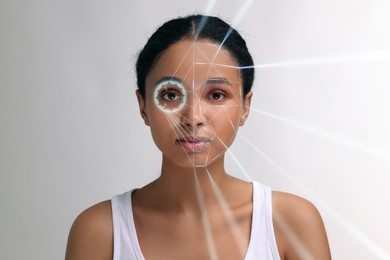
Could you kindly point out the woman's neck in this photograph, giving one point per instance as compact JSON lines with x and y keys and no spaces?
{"x":174,"y":173}
{"x":182,"y":188}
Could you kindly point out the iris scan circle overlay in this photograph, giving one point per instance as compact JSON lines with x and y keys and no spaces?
{"x":163,"y":86}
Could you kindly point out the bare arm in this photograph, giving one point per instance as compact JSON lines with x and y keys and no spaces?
{"x":91,"y":235}
{"x":299,"y":229}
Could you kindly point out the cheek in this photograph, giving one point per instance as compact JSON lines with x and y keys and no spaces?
{"x":225,"y":126}
{"x":163,"y":125}
{"x":228,"y":116}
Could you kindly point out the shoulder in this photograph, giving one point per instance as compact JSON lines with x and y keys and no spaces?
{"x":299,"y":229}
{"x":91,"y":235}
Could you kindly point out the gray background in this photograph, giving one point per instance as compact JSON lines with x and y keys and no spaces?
{"x":71,"y":134}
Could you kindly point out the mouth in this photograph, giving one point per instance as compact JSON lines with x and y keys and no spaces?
{"x":194,"y":143}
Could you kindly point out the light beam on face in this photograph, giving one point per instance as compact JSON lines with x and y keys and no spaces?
{"x":244,"y":8}
{"x":233,"y":224}
{"x":209,"y":7}
{"x":374,"y":56}
{"x":205,"y":220}
{"x":246,"y":174}
{"x":383,"y":55}
{"x":385,"y":155}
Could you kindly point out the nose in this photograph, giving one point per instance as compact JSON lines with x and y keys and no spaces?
{"x":193,"y":115}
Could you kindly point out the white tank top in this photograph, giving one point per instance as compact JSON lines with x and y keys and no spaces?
{"x":262,"y":243}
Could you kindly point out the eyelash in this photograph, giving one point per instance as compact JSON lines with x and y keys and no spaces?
{"x":179,"y":96}
{"x":219,"y":92}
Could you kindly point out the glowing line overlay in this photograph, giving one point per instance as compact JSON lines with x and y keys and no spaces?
{"x":383,"y":55}
{"x":362,"y":147}
{"x":180,"y":93}
{"x":359,"y":235}
{"x":375,"y":56}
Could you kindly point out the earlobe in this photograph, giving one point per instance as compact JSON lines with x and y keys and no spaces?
{"x":142,"y":108}
{"x":246,"y":107}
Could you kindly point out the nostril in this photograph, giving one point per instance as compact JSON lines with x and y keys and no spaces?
{"x":190,"y":122}
{"x":193,"y":115}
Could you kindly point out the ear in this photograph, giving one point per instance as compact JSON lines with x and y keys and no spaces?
{"x":246,"y":107}
{"x":142,"y":107}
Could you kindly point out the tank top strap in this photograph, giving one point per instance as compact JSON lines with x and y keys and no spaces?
{"x":125,"y":236}
{"x":262,"y":244}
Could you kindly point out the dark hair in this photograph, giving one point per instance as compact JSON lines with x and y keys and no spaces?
{"x":195,"y":27}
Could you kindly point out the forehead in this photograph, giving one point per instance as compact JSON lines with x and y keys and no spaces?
{"x":189,"y":60}
{"x":198,"y":51}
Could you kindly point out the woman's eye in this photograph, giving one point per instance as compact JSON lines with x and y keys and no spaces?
{"x":217,"y":96}
{"x":171,"y":96}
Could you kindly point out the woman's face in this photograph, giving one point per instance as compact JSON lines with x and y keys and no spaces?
{"x":193,"y":102}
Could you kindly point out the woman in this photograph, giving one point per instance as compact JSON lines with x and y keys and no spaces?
{"x":194,"y":91}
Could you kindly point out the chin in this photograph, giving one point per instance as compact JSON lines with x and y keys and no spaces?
{"x":194,"y":161}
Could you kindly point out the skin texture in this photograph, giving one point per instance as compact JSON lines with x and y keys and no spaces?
{"x":168,"y":215}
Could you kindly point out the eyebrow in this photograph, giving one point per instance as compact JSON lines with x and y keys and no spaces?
{"x":171,"y":78}
{"x":221,"y":80}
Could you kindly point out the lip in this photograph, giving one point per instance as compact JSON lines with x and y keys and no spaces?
{"x":194,"y":143}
